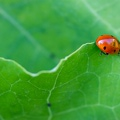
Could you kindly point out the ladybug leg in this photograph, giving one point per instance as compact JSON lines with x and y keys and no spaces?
{"x":103,"y":53}
{"x":119,"y":52}
{"x":106,"y":53}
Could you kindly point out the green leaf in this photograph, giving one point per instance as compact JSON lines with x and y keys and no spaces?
{"x":33,"y":32}
{"x":84,"y":86}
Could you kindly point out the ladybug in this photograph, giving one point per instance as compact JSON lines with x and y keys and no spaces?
{"x":108,"y":44}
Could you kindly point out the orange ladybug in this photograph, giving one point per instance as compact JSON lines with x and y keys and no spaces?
{"x":108,"y":44}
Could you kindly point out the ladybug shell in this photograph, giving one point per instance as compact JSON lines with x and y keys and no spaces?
{"x":108,"y":44}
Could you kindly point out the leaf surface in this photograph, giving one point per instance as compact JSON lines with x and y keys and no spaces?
{"x":33,"y":32}
{"x":84,"y":86}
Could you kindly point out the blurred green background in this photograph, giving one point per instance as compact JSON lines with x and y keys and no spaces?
{"x":38,"y":33}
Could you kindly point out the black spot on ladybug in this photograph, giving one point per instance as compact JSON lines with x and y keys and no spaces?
{"x":114,"y":50}
{"x":49,"y":104}
{"x":104,"y":47}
